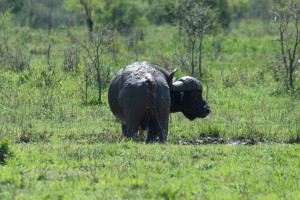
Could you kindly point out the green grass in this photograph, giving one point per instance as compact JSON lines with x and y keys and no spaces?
{"x":68,"y":170}
{"x":62,"y":149}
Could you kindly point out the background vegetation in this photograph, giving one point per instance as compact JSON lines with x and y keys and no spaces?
{"x":59,"y":139}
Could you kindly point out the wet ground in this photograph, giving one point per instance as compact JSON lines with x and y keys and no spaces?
{"x":203,"y":139}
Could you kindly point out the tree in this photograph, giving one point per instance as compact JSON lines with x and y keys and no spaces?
{"x":122,"y":15}
{"x":224,"y":16}
{"x":87,"y":10}
{"x":94,"y":50}
{"x":88,"y":17}
{"x":196,"y":21}
{"x":287,"y":18}
{"x":160,"y":12}
{"x":238,"y":8}
{"x":221,"y":18}
{"x":15,"y":5}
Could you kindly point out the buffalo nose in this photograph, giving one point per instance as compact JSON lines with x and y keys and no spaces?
{"x":207,"y":109}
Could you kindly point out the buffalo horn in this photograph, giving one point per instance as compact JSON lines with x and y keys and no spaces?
{"x":186,"y":83}
{"x":171,"y":76}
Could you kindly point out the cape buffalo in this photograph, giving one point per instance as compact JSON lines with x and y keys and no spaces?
{"x":142,"y":94}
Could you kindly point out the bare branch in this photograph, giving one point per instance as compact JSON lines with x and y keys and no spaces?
{"x":289,"y":41}
{"x":94,"y":50}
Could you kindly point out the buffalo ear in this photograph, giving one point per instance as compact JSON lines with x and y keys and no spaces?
{"x":186,"y":83}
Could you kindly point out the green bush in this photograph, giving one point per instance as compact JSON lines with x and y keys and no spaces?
{"x":122,"y":15}
{"x":5,"y":151}
{"x":161,"y":12}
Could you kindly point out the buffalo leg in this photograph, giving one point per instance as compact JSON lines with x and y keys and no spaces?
{"x":151,"y":136}
{"x":153,"y":128}
{"x":132,"y":124}
{"x":132,"y":131}
{"x":124,"y":130}
{"x":129,"y":131}
{"x":163,"y":121}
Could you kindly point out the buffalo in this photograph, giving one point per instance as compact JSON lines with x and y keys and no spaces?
{"x":142,"y":94}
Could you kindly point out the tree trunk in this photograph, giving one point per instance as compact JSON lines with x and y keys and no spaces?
{"x":86,"y":84}
{"x":291,"y":78}
{"x":193,"y":41}
{"x":89,"y":23}
{"x":99,"y":85}
{"x":49,"y":33}
{"x":88,"y":20}
{"x":200,"y":57}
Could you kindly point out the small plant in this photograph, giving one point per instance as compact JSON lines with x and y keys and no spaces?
{"x":204,"y":166}
{"x":12,"y":57}
{"x":31,"y":136}
{"x":213,"y":131}
{"x":47,"y":82}
{"x":71,"y":59}
{"x":286,"y":16}
{"x":5,"y":151}
{"x":294,"y":139}
{"x":16,"y":60}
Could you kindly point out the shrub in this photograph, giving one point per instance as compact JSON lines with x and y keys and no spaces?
{"x":16,"y":60}
{"x":122,"y":15}
{"x":5,"y":151}
{"x":71,"y":59}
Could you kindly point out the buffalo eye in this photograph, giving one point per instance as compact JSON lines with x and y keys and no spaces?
{"x":196,"y":95}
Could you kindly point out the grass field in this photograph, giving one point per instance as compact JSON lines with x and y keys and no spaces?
{"x":70,"y":169}
{"x":58,"y":148}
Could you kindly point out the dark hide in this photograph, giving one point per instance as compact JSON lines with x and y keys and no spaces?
{"x":181,"y":101}
{"x":142,"y":95}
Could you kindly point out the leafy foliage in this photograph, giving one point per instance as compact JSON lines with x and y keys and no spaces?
{"x":196,"y":21}
{"x":122,"y":15}
{"x":5,"y":151}
{"x":162,"y":12}
{"x":16,"y":6}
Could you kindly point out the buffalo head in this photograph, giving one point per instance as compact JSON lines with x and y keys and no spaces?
{"x":186,"y":97}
